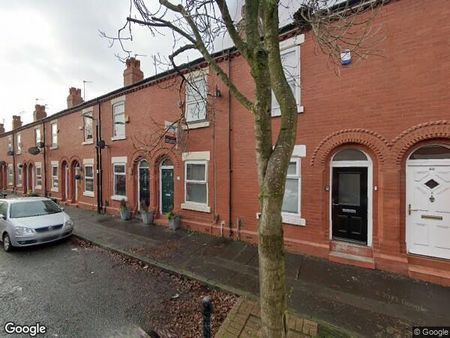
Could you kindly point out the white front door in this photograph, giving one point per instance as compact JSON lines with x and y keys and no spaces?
{"x":428,"y":208}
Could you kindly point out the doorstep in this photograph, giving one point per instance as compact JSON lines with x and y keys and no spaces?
{"x":351,"y":254}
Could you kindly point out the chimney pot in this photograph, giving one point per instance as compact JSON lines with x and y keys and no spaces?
{"x":74,"y":98}
{"x":16,"y":122}
{"x":133,"y":72}
{"x":39,"y":112}
{"x":2,"y":128}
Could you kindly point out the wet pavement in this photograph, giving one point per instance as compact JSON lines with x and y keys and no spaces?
{"x":359,"y":301}
{"x":80,"y":292}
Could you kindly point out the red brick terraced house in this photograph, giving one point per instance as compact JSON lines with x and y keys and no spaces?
{"x":369,"y":180}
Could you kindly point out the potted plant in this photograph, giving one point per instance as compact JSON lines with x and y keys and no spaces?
{"x":125,"y":213}
{"x":174,"y":220}
{"x":146,"y":214}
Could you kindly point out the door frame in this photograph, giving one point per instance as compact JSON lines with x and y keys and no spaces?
{"x":358,"y":164}
{"x":161,"y":167}
{"x":414,"y":164}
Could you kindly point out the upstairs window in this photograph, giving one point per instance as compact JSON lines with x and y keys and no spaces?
{"x":54,"y":130}
{"x":290,"y":59}
{"x":88,"y":127}
{"x":196,"y":98}
{"x":19,"y":143}
{"x":37,"y":135}
{"x":10,"y":146}
{"x":119,"y":121}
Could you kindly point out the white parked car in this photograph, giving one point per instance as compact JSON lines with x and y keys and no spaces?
{"x":29,"y":221}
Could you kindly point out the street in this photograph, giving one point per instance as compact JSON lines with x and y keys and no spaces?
{"x":77,"y":290}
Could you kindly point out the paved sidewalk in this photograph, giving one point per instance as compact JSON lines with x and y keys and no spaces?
{"x":360,"y":301}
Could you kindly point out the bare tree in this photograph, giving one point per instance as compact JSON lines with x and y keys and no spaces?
{"x":195,"y":25}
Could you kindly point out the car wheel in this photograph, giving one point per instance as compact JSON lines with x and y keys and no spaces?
{"x":7,"y":246}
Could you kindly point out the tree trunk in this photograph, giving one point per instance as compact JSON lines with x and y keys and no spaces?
{"x":272,"y":276}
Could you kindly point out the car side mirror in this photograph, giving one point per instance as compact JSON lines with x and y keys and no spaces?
{"x":62,"y":208}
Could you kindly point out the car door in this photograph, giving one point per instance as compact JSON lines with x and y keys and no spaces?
{"x":4,"y":212}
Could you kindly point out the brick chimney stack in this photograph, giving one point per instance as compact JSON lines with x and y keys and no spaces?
{"x":133,"y":72}
{"x":16,"y":122}
{"x":2,"y":128}
{"x":74,"y":98}
{"x":39,"y":112}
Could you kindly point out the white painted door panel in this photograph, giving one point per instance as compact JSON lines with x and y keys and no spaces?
{"x":428,"y":210}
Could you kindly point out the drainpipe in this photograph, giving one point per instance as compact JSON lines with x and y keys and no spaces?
{"x":98,"y":152}
{"x":14,"y":161}
{"x":230,"y":170}
{"x":44,"y":169}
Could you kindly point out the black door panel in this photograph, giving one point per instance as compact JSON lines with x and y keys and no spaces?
{"x":349,"y":209}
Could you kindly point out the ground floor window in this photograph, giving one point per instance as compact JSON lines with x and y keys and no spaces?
{"x":89,"y":179}
{"x":38,"y":175}
{"x":119,"y":179}
{"x":292,"y":189}
{"x":10,"y":174}
{"x":55,"y":181}
{"x":196,"y":184}
{"x":19,"y":175}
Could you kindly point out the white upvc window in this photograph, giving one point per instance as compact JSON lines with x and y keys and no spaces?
{"x":19,"y":175}
{"x":118,"y":121}
{"x":55,"y":180}
{"x":88,"y":127}
{"x":119,"y":165}
{"x":54,"y":131}
{"x":19,"y":143}
{"x":196,"y":181}
{"x":88,"y":178}
{"x":10,"y":146}
{"x":196,"y":97}
{"x":38,"y":175}
{"x":290,"y":58}
{"x":291,"y":209}
{"x":10,"y":174}
{"x":37,"y":135}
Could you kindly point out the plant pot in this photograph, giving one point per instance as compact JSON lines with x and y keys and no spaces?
{"x":174,"y":223}
{"x":147,"y":217}
{"x":125,"y":214}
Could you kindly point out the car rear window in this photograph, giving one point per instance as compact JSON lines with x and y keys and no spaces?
{"x":33,"y":208}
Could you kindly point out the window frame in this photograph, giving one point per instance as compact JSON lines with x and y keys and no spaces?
{"x":287,"y":46}
{"x":115,"y":195}
{"x":86,"y":192}
{"x":55,"y":178}
{"x":114,"y":124}
{"x":37,"y":131}
{"x":194,"y":204}
{"x":54,"y":135}
{"x":19,"y":179}
{"x":193,"y":78}
{"x":88,"y":119}
{"x":10,"y":174}
{"x":19,"y":143}
{"x":37,"y":178}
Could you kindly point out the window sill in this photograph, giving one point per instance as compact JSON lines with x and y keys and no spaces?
{"x":293,"y":219}
{"x":119,"y":198}
{"x":118,"y":138}
{"x":88,"y":193}
{"x":19,"y":186}
{"x":195,"y":207}
{"x":39,"y":187}
{"x":196,"y":125}
{"x":300,"y":110}
{"x":87,"y":142}
{"x":53,"y":147}
{"x":54,"y":189}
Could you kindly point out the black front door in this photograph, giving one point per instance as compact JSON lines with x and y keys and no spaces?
{"x":349,"y":209}
{"x":144,"y":186}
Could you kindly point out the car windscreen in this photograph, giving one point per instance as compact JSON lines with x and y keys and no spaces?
{"x":33,"y":208}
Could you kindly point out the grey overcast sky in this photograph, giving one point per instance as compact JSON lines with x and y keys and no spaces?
{"x":48,"y":46}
